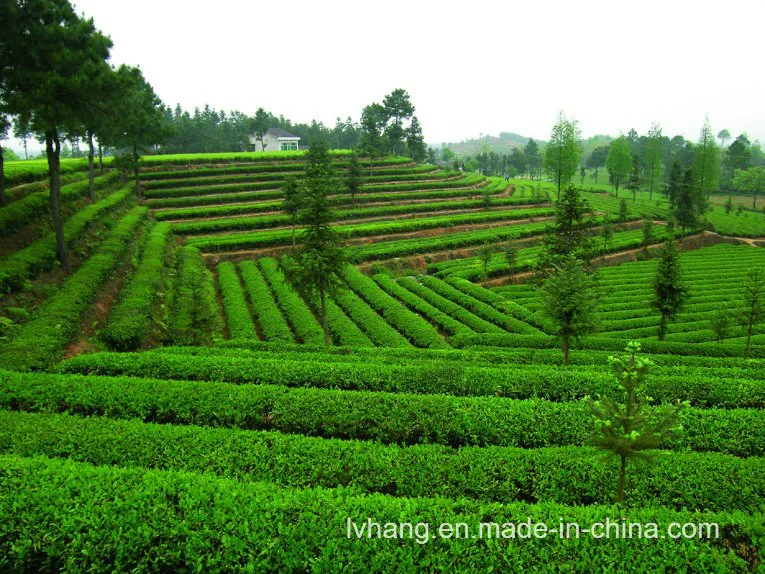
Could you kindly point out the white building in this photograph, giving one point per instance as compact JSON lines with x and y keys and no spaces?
{"x":275,"y":139}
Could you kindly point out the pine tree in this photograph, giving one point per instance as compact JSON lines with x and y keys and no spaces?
{"x":669,"y":292}
{"x":570,"y":234}
{"x":626,"y":429}
{"x":316,"y":267}
{"x":569,"y":301}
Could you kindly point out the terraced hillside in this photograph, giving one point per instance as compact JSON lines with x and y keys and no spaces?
{"x":168,"y":404}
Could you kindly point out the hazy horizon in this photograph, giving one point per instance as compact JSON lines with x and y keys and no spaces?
{"x":469,"y":69}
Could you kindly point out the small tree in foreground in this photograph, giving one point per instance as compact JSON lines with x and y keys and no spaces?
{"x":625,"y":429}
{"x":569,"y":301}
{"x":754,"y":304}
{"x":669,"y":292}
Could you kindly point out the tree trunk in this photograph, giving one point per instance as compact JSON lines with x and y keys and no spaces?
{"x":662,"y":327}
{"x":2,"y":177}
{"x":324,"y":322}
{"x":748,"y":335}
{"x":622,"y":476}
{"x":135,"y":173}
{"x":100,"y":156}
{"x":53,"y":151}
{"x":293,"y":234}
{"x":26,"y":154}
{"x":566,"y":347}
{"x":90,"y":165}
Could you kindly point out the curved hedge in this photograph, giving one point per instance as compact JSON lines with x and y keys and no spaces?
{"x":40,"y":256}
{"x":240,"y":325}
{"x":41,"y":340}
{"x":130,"y":320}
{"x":270,"y":319}
{"x":415,"y":328}
{"x":24,"y":211}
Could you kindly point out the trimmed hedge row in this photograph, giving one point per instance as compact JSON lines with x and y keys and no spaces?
{"x":297,"y":312}
{"x":418,"y":305}
{"x":270,"y":319}
{"x":17,"y":192}
{"x":240,"y":325}
{"x":24,"y":211}
{"x":236,"y":241}
{"x":404,"y":247}
{"x":606,"y":344}
{"x":41,"y":340}
{"x":194,"y":319}
{"x":377,"y":329}
{"x":196,"y":171}
{"x":478,"y":307}
{"x":40,"y":256}
{"x":268,"y":221}
{"x":375,"y":211}
{"x":500,"y":303}
{"x":200,"y":200}
{"x":218,"y":179}
{"x":387,"y":417}
{"x":447,"y":376}
{"x":342,"y":329}
{"x":473,"y":322}
{"x":131,"y":319}
{"x":690,"y":365}
{"x":209,"y":190}
{"x":411,"y":325}
{"x":66,"y":515}
{"x":564,"y":475}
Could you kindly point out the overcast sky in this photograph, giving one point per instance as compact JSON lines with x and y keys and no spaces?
{"x":469,"y":67}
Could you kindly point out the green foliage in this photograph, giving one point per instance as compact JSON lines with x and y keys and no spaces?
{"x":720,"y":322}
{"x":240,"y":325}
{"x":39,"y":256}
{"x":566,"y":475}
{"x":131,"y":319}
{"x":570,"y":234}
{"x":569,"y":302}
{"x":647,"y":229}
{"x":270,"y":319}
{"x":412,"y":326}
{"x":751,"y":180}
{"x":62,"y":512}
{"x":754,"y":304}
{"x":619,"y":162}
{"x":669,"y":292}
{"x":562,"y":152}
{"x":624,"y":428}
{"x":295,"y":309}
{"x":41,"y":342}
{"x":194,"y":318}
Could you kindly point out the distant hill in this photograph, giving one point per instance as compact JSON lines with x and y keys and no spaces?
{"x":506,"y":141}
{"x":503,"y":143}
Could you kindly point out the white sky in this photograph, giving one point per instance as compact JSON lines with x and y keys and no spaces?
{"x":469,"y":67}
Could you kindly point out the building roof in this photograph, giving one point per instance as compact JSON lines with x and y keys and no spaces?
{"x":280,"y":133}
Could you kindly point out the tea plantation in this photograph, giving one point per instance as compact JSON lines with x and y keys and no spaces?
{"x":169,"y":405}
